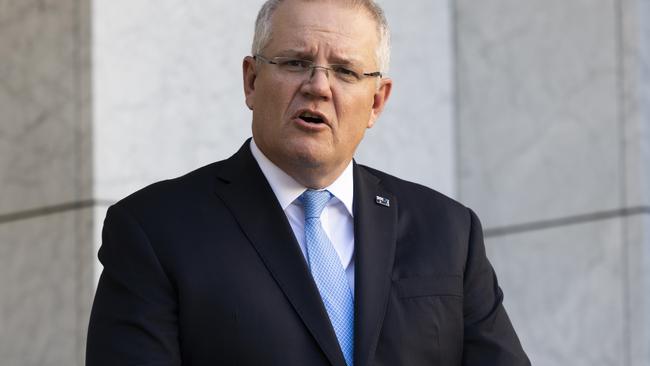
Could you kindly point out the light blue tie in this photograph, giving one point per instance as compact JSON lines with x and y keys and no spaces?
{"x":328,"y":272}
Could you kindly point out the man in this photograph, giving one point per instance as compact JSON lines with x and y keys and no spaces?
{"x":290,"y":253}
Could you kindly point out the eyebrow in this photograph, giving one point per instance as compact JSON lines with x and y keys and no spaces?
{"x":295,"y":53}
{"x":306,"y":55}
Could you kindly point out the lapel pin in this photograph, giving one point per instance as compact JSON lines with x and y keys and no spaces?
{"x":382,"y":201}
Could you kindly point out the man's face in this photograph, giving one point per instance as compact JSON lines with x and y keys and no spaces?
{"x":325,"y":33}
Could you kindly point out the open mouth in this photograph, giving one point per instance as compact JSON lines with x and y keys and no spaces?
{"x":311,"y":118}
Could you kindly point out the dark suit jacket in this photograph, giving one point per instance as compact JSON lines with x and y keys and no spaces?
{"x":205,"y":270}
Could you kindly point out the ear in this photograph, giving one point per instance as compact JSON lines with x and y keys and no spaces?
{"x":248,"y":68}
{"x":379,"y":100}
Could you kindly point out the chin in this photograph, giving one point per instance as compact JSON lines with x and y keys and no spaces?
{"x":308,"y":159}
{"x":308,"y":155}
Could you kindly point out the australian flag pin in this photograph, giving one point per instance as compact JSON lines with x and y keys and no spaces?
{"x":382,"y":201}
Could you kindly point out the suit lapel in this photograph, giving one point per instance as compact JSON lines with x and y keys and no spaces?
{"x":375,"y":226}
{"x":244,"y":190}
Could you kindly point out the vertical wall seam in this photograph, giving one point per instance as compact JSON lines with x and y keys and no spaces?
{"x":455,"y":93}
{"x":78,"y":149}
{"x":83,"y":162}
{"x":622,"y":122}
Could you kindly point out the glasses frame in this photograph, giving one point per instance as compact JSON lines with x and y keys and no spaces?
{"x":312,"y":66}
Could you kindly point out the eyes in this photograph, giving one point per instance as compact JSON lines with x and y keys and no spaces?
{"x":294,"y":65}
{"x":300,"y":67}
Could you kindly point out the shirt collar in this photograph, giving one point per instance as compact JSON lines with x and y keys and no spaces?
{"x":287,"y":189}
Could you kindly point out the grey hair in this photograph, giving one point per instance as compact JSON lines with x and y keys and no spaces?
{"x":263,"y":28}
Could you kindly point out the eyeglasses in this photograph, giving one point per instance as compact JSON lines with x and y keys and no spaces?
{"x":296,"y":66}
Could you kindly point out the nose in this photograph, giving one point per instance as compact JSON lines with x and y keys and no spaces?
{"x":313,"y":71}
{"x":318,"y":84}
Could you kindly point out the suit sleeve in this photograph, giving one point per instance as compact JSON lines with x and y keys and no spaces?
{"x":489,"y":336}
{"x":134,"y":317}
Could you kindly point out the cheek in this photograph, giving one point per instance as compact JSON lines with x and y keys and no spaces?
{"x":273,"y":95}
{"x":356,"y":115}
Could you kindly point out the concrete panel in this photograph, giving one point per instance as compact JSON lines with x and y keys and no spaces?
{"x":169,"y":93}
{"x":415,"y":137}
{"x":99,"y":214}
{"x":635,"y":30}
{"x":565,"y":292}
{"x":538,"y":108}
{"x":46,"y":280}
{"x":168,"y":88}
{"x":638,"y":288}
{"x":43,"y":99}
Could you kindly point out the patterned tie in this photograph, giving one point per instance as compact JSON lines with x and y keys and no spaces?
{"x":328,"y":272}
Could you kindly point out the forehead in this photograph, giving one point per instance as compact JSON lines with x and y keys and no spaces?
{"x":331,"y":26}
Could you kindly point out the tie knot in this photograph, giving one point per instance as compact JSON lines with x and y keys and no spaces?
{"x":314,"y":202}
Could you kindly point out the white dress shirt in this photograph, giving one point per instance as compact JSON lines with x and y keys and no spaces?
{"x":337,"y":219}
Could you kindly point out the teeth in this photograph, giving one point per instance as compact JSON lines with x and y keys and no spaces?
{"x":309,"y":115}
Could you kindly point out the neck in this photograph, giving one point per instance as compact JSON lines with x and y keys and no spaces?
{"x":306,"y":171}
{"x":313,"y":177}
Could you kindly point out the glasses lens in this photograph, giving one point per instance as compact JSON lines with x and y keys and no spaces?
{"x":293,"y":64}
{"x":346,"y":74}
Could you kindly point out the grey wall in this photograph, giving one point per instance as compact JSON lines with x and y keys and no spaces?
{"x":46,"y":259}
{"x":553,"y":154}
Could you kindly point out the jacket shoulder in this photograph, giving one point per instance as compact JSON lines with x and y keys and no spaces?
{"x":174,"y":193}
{"x":411,"y":193}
